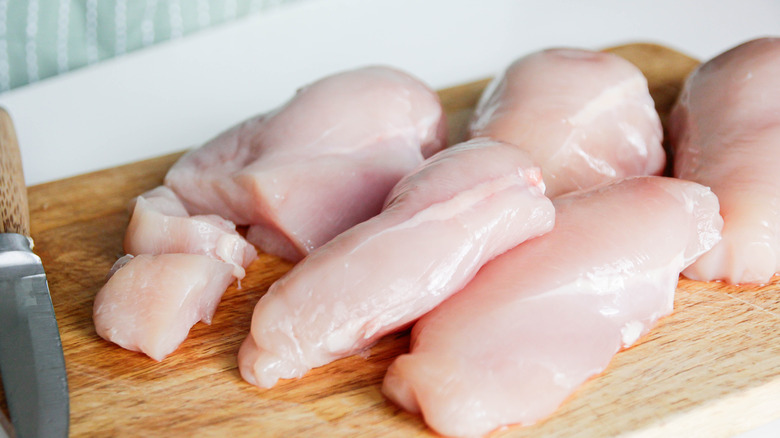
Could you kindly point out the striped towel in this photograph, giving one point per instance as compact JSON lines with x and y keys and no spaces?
{"x":43,"y":38}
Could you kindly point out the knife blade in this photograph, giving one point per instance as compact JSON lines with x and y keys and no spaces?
{"x":32,"y":364}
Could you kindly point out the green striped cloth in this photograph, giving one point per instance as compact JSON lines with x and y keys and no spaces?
{"x":43,"y":38}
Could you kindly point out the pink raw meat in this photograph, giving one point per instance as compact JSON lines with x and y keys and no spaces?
{"x":539,"y":320}
{"x":183,"y":266}
{"x":458,"y":210}
{"x":725,"y":130}
{"x":151,"y":301}
{"x":318,"y":165}
{"x":160,"y":225}
{"x":585,"y":117}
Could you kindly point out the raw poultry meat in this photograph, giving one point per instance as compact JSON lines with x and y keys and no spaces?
{"x":183,"y":266}
{"x":161,"y":225}
{"x":318,"y":165}
{"x":725,"y":131}
{"x":539,"y":320}
{"x":585,"y":117}
{"x":150,"y":302}
{"x":462,"y":207}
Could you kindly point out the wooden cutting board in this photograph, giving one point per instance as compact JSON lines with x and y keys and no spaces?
{"x":710,"y":369}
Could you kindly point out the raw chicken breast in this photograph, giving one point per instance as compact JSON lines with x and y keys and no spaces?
{"x":151,"y":301}
{"x":458,"y":210}
{"x":160,"y":225}
{"x":540,"y":319}
{"x":585,"y":117}
{"x":318,"y":165}
{"x":183,"y":266}
{"x":725,"y":131}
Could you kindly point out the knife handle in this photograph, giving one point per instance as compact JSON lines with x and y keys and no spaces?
{"x":14,"y":212}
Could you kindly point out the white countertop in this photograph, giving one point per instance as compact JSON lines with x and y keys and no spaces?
{"x":179,"y":94}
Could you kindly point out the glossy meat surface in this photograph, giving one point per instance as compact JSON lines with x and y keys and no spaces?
{"x":725,"y":130}
{"x":319,"y":164}
{"x":160,"y":225}
{"x":182,"y":266}
{"x":461,"y":208}
{"x":585,"y":117}
{"x":151,"y":301}
{"x":539,"y":320}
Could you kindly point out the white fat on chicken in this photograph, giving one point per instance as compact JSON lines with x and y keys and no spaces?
{"x":725,"y":131}
{"x":319,"y":164}
{"x":585,"y":117}
{"x":540,"y":319}
{"x":459,"y":209}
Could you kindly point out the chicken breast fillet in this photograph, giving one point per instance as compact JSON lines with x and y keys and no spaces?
{"x":539,"y":320}
{"x":461,"y":208}
{"x":150,"y":302}
{"x":725,"y":131}
{"x":319,"y":164}
{"x":585,"y":117}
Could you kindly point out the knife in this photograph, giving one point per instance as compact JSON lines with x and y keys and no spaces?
{"x":31,"y":360}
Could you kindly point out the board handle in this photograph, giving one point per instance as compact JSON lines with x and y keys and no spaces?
{"x":14,"y":211}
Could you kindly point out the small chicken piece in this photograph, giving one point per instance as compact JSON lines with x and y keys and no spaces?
{"x":160,"y":225}
{"x":585,"y":117}
{"x":725,"y":131}
{"x":183,"y":266}
{"x":540,"y":319}
{"x":150,"y":302}
{"x":318,"y":165}
{"x":441,"y":223}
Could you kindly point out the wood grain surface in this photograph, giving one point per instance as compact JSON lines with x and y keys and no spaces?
{"x":14,"y":214}
{"x":711,"y":369}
